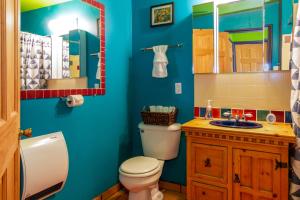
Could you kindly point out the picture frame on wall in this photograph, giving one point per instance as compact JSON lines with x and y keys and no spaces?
{"x":162,"y":14}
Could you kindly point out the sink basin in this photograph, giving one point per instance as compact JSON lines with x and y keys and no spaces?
{"x":236,"y":124}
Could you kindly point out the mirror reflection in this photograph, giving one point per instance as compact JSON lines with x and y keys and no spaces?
{"x":203,"y":38}
{"x":250,"y":36}
{"x":242,"y":42}
{"x":59,"y":45}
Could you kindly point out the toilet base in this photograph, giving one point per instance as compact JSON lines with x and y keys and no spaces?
{"x":152,"y":193}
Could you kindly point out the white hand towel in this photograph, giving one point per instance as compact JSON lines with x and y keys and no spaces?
{"x":160,"y":62}
{"x":98,"y":74}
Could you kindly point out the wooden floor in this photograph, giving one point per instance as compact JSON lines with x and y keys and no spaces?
{"x":168,"y":195}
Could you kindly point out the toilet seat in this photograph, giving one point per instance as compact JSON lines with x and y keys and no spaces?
{"x":140,"y":166}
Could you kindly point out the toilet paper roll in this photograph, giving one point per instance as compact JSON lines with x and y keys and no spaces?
{"x":75,"y":100}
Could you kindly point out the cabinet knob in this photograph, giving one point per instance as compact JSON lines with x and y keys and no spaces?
{"x":203,"y":193}
{"x":207,"y":163}
{"x":275,"y":195}
{"x":236,"y":178}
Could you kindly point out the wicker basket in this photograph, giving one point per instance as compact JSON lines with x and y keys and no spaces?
{"x":158,"y":118}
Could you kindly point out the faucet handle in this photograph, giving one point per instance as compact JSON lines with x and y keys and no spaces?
{"x":247,"y":115}
{"x":228,"y":115}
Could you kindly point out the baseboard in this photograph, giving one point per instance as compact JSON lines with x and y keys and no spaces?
{"x":110,"y":192}
{"x":162,"y":185}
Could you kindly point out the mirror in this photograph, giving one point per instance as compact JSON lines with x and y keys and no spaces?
{"x":203,"y":38}
{"x":249,"y":35}
{"x":60,"y":44}
{"x":240,"y":37}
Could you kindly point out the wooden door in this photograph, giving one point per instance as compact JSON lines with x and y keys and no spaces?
{"x":250,"y":57}
{"x":203,"y":51}
{"x":255,"y":176}
{"x":225,"y":53}
{"x":9,"y":100}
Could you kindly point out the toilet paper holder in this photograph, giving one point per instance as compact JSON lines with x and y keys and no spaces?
{"x":73,"y":100}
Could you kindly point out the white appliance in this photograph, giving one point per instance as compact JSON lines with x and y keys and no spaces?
{"x":45,"y":164}
{"x":140,"y":175}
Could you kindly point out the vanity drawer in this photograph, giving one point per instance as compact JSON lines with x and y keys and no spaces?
{"x":209,"y":163}
{"x":207,"y":192}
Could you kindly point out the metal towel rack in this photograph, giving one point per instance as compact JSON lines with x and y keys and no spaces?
{"x":180,"y":45}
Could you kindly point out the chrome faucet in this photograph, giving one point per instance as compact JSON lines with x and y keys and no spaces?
{"x":237,"y":117}
{"x":228,"y":115}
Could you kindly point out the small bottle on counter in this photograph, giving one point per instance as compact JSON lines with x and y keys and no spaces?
{"x":208,"y":114}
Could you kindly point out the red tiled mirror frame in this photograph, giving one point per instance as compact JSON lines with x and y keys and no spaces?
{"x":42,"y":94}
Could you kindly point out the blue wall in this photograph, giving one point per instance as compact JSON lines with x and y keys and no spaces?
{"x":97,"y":134}
{"x":151,"y":91}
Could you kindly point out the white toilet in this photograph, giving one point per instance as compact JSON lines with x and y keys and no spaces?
{"x":140,"y":175}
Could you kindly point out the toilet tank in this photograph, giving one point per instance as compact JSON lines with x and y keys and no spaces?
{"x":160,"y":142}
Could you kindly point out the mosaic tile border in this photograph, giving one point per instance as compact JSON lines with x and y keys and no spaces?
{"x":258,"y":115}
{"x":43,"y":94}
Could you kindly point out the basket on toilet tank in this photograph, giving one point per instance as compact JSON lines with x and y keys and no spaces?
{"x":159,"y":117}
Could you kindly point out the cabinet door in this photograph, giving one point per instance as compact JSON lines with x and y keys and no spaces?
{"x":207,"y":192}
{"x":255,"y":176}
{"x":209,"y":163}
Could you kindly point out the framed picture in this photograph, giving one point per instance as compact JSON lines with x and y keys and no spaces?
{"x":162,"y":14}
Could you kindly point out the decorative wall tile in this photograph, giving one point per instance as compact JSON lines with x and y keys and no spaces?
{"x":202,"y":112}
{"x":224,"y":110}
{"x":216,"y":113}
{"x":257,"y":115}
{"x":288,"y":117}
{"x":279,"y":116}
{"x":197,"y":112}
{"x":252,"y":112}
{"x":235,"y":112}
{"x":262,"y":115}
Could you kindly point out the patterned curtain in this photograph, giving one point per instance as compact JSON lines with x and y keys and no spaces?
{"x":35,"y":61}
{"x":66,"y":60}
{"x":295,"y":108}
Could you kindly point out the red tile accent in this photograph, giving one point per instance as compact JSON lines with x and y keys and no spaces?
{"x":54,"y":93}
{"x":23,"y":95}
{"x":253,"y":112}
{"x":196,"y":112}
{"x":85,"y":92}
{"x":61,"y":93}
{"x":279,"y":116}
{"x":67,"y":92}
{"x":47,"y":94}
{"x":216,"y":113}
{"x":73,"y":92}
{"x":239,"y":112}
{"x":31,"y":94}
{"x":39,"y":94}
{"x":90,"y":92}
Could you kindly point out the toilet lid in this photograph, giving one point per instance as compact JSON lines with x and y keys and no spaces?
{"x":139,"y":165}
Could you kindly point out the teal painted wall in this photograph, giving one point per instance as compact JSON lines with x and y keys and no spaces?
{"x":97,"y":134}
{"x":151,"y":91}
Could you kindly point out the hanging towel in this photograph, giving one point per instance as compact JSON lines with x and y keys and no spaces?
{"x":160,"y":62}
{"x":295,"y":108}
{"x":98,"y":74}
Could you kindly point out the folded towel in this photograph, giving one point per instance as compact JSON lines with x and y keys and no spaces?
{"x":160,"y":62}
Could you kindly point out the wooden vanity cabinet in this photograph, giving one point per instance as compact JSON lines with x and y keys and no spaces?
{"x":231,"y":165}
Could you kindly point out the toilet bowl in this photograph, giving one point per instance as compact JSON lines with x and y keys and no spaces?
{"x":142,"y":181}
{"x":140,"y":175}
